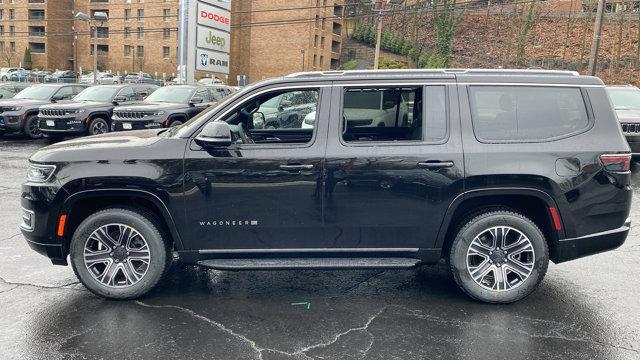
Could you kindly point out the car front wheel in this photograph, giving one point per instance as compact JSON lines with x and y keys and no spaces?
{"x":31,"y":128}
{"x":119,"y":253}
{"x":98,"y":126}
{"x":498,"y":256}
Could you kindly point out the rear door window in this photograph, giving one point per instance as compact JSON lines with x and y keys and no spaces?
{"x":527,"y":113}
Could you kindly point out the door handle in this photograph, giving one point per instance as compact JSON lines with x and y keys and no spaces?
{"x":296,"y":167}
{"x":435,"y":164}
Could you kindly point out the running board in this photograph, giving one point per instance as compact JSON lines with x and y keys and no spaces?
{"x":310,"y":263}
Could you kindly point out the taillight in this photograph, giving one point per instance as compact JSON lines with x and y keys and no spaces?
{"x":616,"y":162}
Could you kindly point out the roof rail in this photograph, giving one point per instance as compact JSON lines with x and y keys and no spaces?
{"x":316,"y":74}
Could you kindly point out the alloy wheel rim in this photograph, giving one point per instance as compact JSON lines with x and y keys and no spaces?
{"x":99,"y":128}
{"x":116,"y":255}
{"x":33,"y":129}
{"x":500,"y":258}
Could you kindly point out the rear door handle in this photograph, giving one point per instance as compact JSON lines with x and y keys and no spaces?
{"x":296,"y":167}
{"x":435,"y":164}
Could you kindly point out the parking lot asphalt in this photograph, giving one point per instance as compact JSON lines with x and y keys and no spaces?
{"x":585,"y":309}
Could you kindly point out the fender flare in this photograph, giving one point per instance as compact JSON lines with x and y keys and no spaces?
{"x":131,"y":193}
{"x":475,"y":193}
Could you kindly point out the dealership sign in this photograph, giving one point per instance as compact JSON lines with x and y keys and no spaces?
{"x":208,"y":30}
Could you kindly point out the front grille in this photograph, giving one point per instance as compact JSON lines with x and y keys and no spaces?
{"x":57,"y":112}
{"x":132,"y":114}
{"x":631,"y":128}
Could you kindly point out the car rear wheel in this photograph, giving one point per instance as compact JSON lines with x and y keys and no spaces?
{"x":498,"y":256}
{"x":98,"y":126}
{"x":119,"y":253}
{"x":31,"y":128}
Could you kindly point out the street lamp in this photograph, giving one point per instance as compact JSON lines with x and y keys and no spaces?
{"x":97,"y":16}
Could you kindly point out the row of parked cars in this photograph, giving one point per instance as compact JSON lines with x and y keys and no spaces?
{"x":59,"y":110}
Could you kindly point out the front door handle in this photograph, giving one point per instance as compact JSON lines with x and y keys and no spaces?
{"x":435,"y":164}
{"x":296,"y":167}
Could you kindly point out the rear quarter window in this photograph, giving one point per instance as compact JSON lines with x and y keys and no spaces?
{"x":527,"y":113}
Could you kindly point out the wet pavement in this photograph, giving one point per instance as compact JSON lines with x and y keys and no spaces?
{"x":585,"y":309}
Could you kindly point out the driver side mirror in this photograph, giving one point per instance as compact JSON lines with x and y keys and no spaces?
{"x":57,"y":97}
{"x":119,"y":99}
{"x":216,"y":134}
{"x":196,"y":100}
{"x":258,"y":120}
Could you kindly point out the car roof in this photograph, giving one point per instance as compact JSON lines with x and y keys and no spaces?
{"x":460,"y":75}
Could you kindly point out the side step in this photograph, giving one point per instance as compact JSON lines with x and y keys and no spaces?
{"x":310,"y":263}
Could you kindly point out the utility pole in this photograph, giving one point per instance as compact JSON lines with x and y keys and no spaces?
{"x":595,"y":44}
{"x":376,"y":59}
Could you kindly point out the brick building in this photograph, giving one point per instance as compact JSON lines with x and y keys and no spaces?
{"x":43,"y":26}
{"x":268,"y":38}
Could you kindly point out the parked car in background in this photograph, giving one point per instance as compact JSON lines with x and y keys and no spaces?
{"x":20,"y":114}
{"x":5,"y":73}
{"x":210,"y":81}
{"x":287,"y":110}
{"x":89,"y":113}
{"x":61,"y":76}
{"x":18,"y":74}
{"x":219,"y":91}
{"x":9,"y":90}
{"x":626,"y":102}
{"x":166,"y":107}
{"x":40,"y":75}
{"x":104,"y":78}
{"x":141,"y":77}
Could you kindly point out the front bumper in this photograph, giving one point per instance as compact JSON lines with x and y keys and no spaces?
{"x":10,"y":122}
{"x":39,"y":221}
{"x":570,"y":249}
{"x":62,"y":125}
{"x":136,"y":124}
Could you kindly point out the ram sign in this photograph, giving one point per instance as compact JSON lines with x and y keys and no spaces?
{"x":208,"y":36}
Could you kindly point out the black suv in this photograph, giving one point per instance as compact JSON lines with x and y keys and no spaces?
{"x":166,"y":107}
{"x":20,"y":114}
{"x":90,"y":111}
{"x":497,"y":172}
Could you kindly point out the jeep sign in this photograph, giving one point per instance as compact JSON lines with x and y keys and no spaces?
{"x":212,"y":39}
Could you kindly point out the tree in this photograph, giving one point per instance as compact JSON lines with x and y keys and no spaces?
{"x":524,"y":31}
{"x":8,"y":55}
{"x":26,"y":60}
{"x":446,"y":22}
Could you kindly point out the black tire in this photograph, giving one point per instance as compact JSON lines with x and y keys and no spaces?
{"x":147,"y":226}
{"x":98,"y":126}
{"x":31,"y":128}
{"x":175,"y":123}
{"x":482,"y":222}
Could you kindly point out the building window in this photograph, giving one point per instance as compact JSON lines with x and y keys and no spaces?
{"x":321,"y":61}
{"x":102,"y":32}
{"x":33,"y":14}
{"x":127,"y":32}
{"x":36,"y":30}
{"x":315,"y":41}
{"x":12,"y":14}
{"x":127,"y":50}
{"x":317,"y":20}
{"x":1,"y":14}
{"x":103,"y":49}
{"x":322,"y":42}
{"x":12,"y":30}
{"x":166,"y":33}
{"x":1,"y":29}
{"x":12,"y":46}
{"x":166,"y":14}
{"x":324,"y":23}
{"x":140,"y":33}
{"x":127,"y":14}
{"x":140,"y":51}
{"x":166,"y":52}
{"x":140,"y":14}
{"x":1,"y":45}
{"x":315,"y":60}
{"x":37,"y":48}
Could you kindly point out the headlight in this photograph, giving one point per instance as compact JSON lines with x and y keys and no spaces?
{"x":40,"y":173}
{"x":158,"y":113}
{"x":15,"y":108}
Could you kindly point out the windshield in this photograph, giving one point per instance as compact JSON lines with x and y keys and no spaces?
{"x":172,"y":94}
{"x":36,"y":93}
{"x":625,"y":99}
{"x":97,"y":93}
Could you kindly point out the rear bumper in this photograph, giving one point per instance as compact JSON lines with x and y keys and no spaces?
{"x":570,"y":249}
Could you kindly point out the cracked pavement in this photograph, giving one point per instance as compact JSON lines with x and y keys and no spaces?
{"x":585,"y":309}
